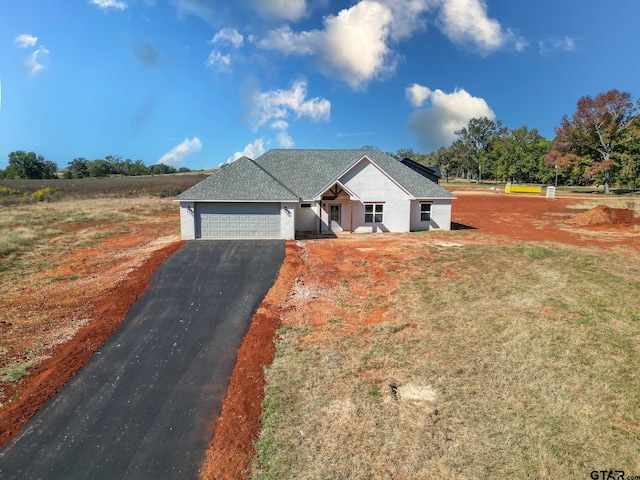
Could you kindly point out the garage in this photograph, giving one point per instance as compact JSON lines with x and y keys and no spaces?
{"x":237,"y":220}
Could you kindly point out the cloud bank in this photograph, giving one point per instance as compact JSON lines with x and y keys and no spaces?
{"x":356,"y":45}
{"x":435,"y":125}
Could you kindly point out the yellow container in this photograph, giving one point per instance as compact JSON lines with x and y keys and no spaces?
{"x":522,"y":188}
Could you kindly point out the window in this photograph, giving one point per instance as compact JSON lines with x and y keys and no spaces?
{"x":425,"y":212}
{"x":334,"y":213}
{"x":373,"y":213}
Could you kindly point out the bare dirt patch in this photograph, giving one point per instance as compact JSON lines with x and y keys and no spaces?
{"x":603,"y":215}
{"x":537,"y":219}
{"x":62,"y":299}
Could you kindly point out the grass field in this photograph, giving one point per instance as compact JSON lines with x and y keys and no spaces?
{"x":22,"y":191}
{"x":491,"y":362}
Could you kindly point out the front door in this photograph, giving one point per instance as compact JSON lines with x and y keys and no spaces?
{"x":334,"y":218}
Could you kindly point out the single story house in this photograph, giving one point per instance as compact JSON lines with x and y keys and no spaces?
{"x":322,"y":191}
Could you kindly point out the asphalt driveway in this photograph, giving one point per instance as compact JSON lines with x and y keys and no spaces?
{"x":145,"y":405}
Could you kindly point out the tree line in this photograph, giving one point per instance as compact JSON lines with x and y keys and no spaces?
{"x":29,"y":165}
{"x":598,"y":144}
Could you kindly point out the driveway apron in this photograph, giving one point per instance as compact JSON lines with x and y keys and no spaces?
{"x":145,"y":405}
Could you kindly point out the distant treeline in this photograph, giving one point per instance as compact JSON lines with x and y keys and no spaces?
{"x":598,"y":144}
{"x":29,"y":165}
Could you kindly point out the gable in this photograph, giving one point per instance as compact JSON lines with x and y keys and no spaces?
{"x":370,"y":182}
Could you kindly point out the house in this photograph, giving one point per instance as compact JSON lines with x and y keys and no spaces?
{"x":288,"y":191}
{"x":432,"y":173}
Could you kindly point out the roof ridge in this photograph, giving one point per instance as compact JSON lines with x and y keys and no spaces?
{"x":273,"y":178}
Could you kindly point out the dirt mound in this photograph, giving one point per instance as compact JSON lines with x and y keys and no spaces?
{"x":603,"y":215}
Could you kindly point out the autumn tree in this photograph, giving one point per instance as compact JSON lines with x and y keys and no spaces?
{"x":594,"y":140}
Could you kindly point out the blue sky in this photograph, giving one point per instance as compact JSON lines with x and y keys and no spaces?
{"x":198,"y":83}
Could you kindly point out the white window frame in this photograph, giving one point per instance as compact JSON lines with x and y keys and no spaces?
{"x":377,"y":211}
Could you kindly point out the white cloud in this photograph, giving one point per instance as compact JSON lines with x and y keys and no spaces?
{"x":177,"y":153}
{"x":34,"y":62}
{"x":253,"y":151}
{"x":105,"y":4}
{"x":408,"y":16}
{"x":26,"y":41}
{"x":285,"y":141}
{"x":228,"y":36}
{"x":417,"y":94}
{"x":435,"y":125}
{"x":288,"y":42}
{"x":352,"y":47}
{"x":278,"y":105}
{"x":565,"y":44}
{"x":356,"y":44}
{"x":466,"y":23}
{"x":219,"y":62}
{"x":281,"y":9}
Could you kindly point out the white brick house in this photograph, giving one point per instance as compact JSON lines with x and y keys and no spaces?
{"x":322,"y":191}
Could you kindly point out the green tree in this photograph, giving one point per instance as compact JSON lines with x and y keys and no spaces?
{"x":520,"y":155}
{"x":478,"y":139}
{"x":594,"y":140}
{"x":77,"y":168}
{"x":29,"y":165}
{"x":100,"y":168}
{"x":446,"y":159}
{"x":162,"y":169}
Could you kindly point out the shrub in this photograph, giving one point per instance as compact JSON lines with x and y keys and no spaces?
{"x":8,"y":191}
{"x":42,"y":194}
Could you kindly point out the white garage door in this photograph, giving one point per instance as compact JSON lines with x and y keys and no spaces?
{"x":237,"y":220}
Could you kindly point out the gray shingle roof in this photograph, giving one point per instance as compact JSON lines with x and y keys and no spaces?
{"x":243,"y":180}
{"x":309,"y":172}
{"x":292,"y":175}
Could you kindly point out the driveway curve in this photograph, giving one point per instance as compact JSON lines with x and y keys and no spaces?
{"x":145,"y":405}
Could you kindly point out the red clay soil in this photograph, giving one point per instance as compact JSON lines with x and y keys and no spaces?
{"x":493,"y":217}
{"x":603,"y":215}
{"x":45,"y":379}
{"x":537,"y":219}
{"x":236,"y":429}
